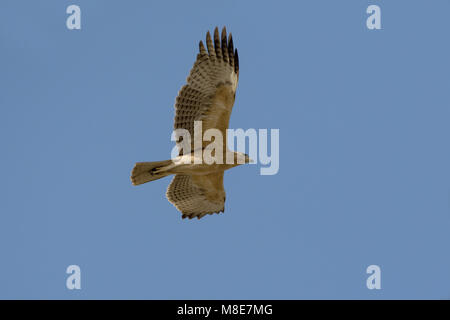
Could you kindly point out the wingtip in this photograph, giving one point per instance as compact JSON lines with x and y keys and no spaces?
{"x":236,"y":61}
{"x":201,"y":47}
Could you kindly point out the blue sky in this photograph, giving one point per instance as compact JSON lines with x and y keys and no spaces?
{"x":364,"y":157}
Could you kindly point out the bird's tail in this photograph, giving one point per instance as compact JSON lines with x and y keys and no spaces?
{"x":148,"y":171}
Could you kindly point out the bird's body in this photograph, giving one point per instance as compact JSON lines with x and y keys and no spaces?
{"x":207,"y":98}
{"x":193,"y":165}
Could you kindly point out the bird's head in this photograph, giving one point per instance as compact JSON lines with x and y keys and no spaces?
{"x":241,"y":158}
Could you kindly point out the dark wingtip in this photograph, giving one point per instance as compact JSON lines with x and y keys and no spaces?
{"x":216,"y":35}
{"x":224,"y":45}
{"x":210,"y":45}
{"x":201,"y":47}
{"x":224,"y":33}
{"x":236,"y":61}
{"x":230,"y":43}
{"x":217,"y":45}
{"x":221,"y":46}
{"x":224,"y":37}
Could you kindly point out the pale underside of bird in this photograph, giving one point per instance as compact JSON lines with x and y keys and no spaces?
{"x":208,"y":96}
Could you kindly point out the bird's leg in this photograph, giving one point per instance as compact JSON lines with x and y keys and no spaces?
{"x":161,"y":169}
{"x":156,"y":171}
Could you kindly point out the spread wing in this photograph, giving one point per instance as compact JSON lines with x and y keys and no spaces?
{"x":209,"y":93}
{"x":197,"y":195}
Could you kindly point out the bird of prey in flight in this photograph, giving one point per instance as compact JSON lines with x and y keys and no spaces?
{"x":207,"y":98}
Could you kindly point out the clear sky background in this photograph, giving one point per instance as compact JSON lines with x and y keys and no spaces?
{"x":364,"y":151}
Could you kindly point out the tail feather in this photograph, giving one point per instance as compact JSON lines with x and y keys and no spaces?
{"x":148,"y":171}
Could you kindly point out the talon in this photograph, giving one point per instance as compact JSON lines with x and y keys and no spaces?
{"x":154,"y":171}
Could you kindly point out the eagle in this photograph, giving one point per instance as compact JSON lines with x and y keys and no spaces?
{"x":207,"y":98}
